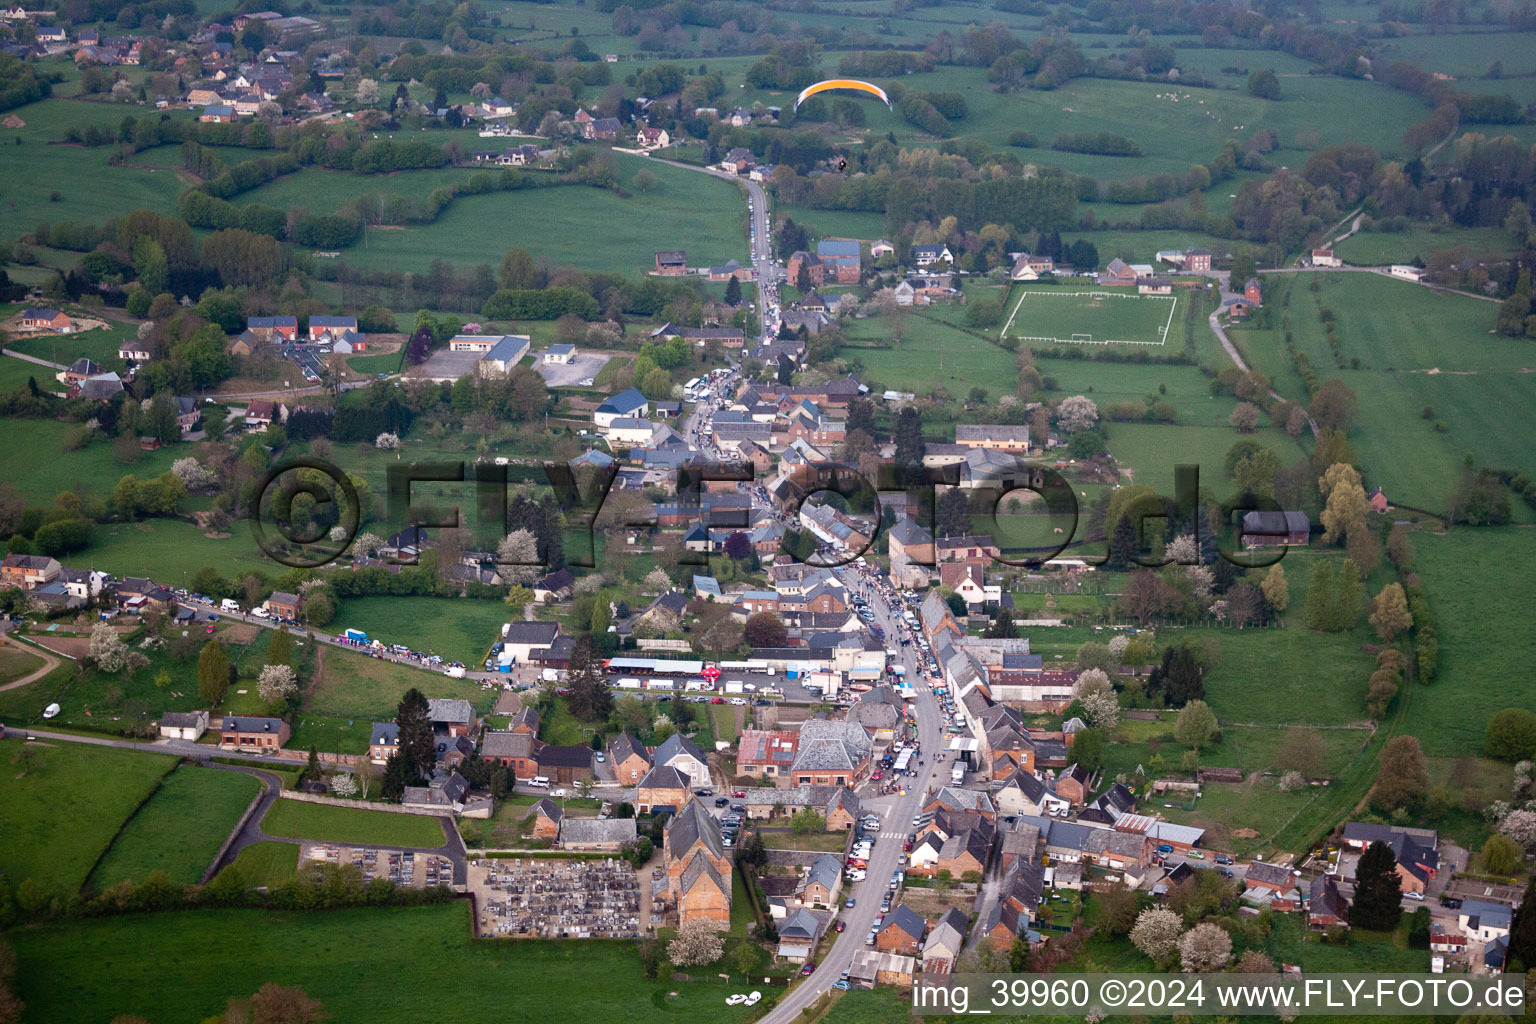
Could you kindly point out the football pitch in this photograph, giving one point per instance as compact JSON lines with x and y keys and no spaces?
{"x":1090,"y":317}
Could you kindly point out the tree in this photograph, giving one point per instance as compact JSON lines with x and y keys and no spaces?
{"x":909,"y":437}
{"x":414,"y":719}
{"x":1264,"y":84}
{"x":212,"y":672}
{"x":1522,"y":930}
{"x":1502,"y":855}
{"x":1380,"y":689}
{"x":1511,"y":735}
{"x":367,"y":92}
{"x":1333,"y":405}
{"x":1196,"y":725}
{"x":1205,"y":948}
{"x":697,"y":944}
{"x":1096,"y":656}
{"x":1254,"y":961}
{"x":733,"y":292}
{"x":1244,"y":418}
{"x":765,"y":629}
{"x":280,"y":647}
{"x":1077,"y":412}
{"x":807,"y":820}
{"x":517,"y":557}
{"x":1389,"y":612}
{"x":1275,"y":589}
{"x":276,"y":683}
{"x":1093,"y":680}
{"x":1303,"y":751}
{"x":1156,"y":933}
{"x":1404,"y":776}
{"x":1347,"y":506}
{"x":1117,"y":908}
{"x":107,"y":648}
{"x":1378,"y":890}
{"x":1102,"y":710}
{"x":738,"y":546}
{"x":590,"y":697}
{"x":1519,"y":827}
{"x":1088,"y":749}
{"x":318,"y":607}
{"x":1002,"y":627}
{"x":275,"y":1004}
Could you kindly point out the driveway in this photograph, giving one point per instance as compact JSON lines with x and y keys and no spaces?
{"x":583,"y":366}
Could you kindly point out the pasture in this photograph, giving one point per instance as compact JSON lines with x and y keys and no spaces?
{"x":1378,"y":248}
{"x":269,"y":864}
{"x":459,"y":630}
{"x":356,"y":685}
{"x":291,"y":819}
{"x":1090,"y":316}
{"x":35,"y":461}
{"x":172,"y":549}
{"x":64,"y":804}
{"x":179,"y":828}
{"x":95,"y":970}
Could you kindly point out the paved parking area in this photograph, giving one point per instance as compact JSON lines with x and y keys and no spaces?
{"x":564,"y":375}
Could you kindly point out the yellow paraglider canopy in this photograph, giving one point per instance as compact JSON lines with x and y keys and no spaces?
{"x":841,"y":83}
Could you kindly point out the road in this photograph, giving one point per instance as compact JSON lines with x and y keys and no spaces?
{"x":761,"y":243}
{"x":896,"y":813}
{"x":32,"y":359}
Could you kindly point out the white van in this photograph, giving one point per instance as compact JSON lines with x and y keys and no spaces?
{"x":691,"y":384}
{"x":539,"y":782}
{"x":229,"y":605}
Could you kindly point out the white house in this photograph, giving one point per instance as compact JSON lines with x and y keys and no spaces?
{"x":1483,"y":920}
{"x":683,"y":754}
{"x":1407,"y":272}
{"x":183,"y":725}
{"x":624,"y":405}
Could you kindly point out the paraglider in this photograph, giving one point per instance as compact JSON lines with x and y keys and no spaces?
{"x":841,"y":83}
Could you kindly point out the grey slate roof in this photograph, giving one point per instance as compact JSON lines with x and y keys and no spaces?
{"x":906,"y":919}
{"x":384,"y":734}
{"x":447,"y":709}
{"x":597,"y":830}
{"x":664,"y":777}
{"x":674,"y":745}
{"x":825,"y":869}
{"x":690,"y":827}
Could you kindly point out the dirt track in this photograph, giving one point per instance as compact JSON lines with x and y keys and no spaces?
{"x":49,"y":664}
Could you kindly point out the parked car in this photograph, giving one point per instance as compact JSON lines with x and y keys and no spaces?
{"x":1417,"y":897}
{"x":810,"y":966}
{"x":842,"y":926}
{"x":849,"y":903}
{"x":1222,"y":858}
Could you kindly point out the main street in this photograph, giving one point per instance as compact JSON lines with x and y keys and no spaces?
{"x":896,"y":814}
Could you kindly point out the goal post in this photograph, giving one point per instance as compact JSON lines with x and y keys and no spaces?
{"x":1082,"y":338}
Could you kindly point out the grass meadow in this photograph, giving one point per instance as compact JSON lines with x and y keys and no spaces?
{"x":179,"y":829}
{"x":266,"y":864}
{"x":64,"y":808}
{"x":181,"y":968}
{"x":1376,"y":248}
{"x":35,"y":462}
{"x":291,"y":819}
{"x":461,"y":630}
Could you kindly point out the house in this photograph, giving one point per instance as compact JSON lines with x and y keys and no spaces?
{"x":560,"y":354}
{"x":260,"y":413}
{"x":1073,"y":784}
{"x":1378,"y":500}
{"x":731,"y":268}
{"x":606,"y":835}
{"x":263,"y":735}
{"x":965,"y":579}
{"x":1326,"y":907}
{"x":1117,"y":275}
{"x":80,"y":370}
{"x":697,"y":865}
{"x":798,"y":935}
{"x":1272,"y":883}
{"x":1325,"y":258}
{"x":605,"y":128}
{"x":217,"y":113}
{"x":1253,"y":292}
{"x":840,"y":257}
{"x":83,"y":584}
{"x":1025,"y":793}
{"x":1484,"y":920}
{"x":547,"y":816}
{"x":1154,"y":285}
{"x":815,"y":271}
{"x":928,"y":255}
{"x":101,"y":388}
{"x":28,"y":572}
{"x":283,"y":606}
{"x":843,"y":810}
{"x":823,"y":879}
{"x":526,"y":721}
{"x":870,"y":967}
{"x":767,"y":753}
{"x":555,"y":586}
{"x":630,"y":760}
{"x":1264,"y":529}
{"x":628,"y":404}
{"x":902,"y":931}
{"x":677,"y":751}
{"x":671,"y":262}
{"x":565,"y":764}
{"x":525,"y":638}
{"x":383,"y":741}
{"x":1198,"y":261}
{"x":910,"y":540}
{"x":133,"y":351}
{"x":945,"y":942}
{"x":654,"y":138}
{"x":515,"y":750}
{"x":831,"y":754}
{"x":1406,"y":272}
{"x":183,"y":725}
{"x":452,"y":717}
{"x":189,"y":413}
{"x":329,"y":328}
{"x":738,"y":161}
{"x":663,"y":788}
{"x":1238,"y":306}
{"x":273,"y":329}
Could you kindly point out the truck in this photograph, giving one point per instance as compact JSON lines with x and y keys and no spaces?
{"x":629,"y":683}
{"x":357,"y":636}
{"x":957,"y":773}
{"x":454,"y":671}
{"x":229,"y":605}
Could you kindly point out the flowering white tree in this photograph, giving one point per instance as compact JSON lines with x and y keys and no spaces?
{"x":1521,"y":827}
{"x":517,"y":558}
{"x":657,"y":580}
{"x":192,"y":474}
{"x":1205,"y":948}
{"x":343,"y":785}
{"x":367,"y":92}
{"x":697,"y":943}
{"x":1102,"y":709}
{"x":1184,"y":550}
{"x":107,"y":648}
{"x":1117,"y":645}
{"x":387,"y":441}
{"x":276,"y":683}
{"x":1201,"y":579}
{"x":367,"y":544}
{"x":1077,"y":413}
{"x":1156,"y":933}
{"x":338,"y":533}
{"x":591,"y":583}
{"x":1291,"y":781}
{"x":1093,"y":680}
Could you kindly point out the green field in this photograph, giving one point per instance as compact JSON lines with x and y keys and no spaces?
{"x":1377,"y":248}
{"x":267,"y":864}
{"x":15,"y":663}
{"x":180,"y":828}
{"x":458,"y":629}
{"x":1073,"y":315}
{"x":165,"y":549}
{"x":356,"y":684}
{"x":94,"y":970}
{"x":1418,"y":349}
{"x":1152,"y":450}
{"x":62,"y":814}
{"x":588,"y":228}
{"x":34,"y":461}
{"x":291,"y":819}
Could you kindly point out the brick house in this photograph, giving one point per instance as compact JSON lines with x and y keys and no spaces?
{"x":526,"y":721}
{"x":831,"y":754}
{"x":383,"y":741}
{"x":767,"y":753}
{"x":45,"y":319}
{"x":1253,"y":292}
{"x":1326,"y":907}
{"x":1284,"y":529}
{"x":28,"y":572}
{"x":1073,"y":785}
{"x":565,"y":764}
{"x":671,"y":262}
{"x":814,"y":268}
{"x":841,"y":258}
{"x":258,"y":734}
{"x":1198,"y":261}
{"x":515,"y":750}
{"x":902,"y":931}
{"x":843,"y":810}
{"x":630,"y":759}
{"x":663,"y":788}
{"x":909,"y":539}
{"x":283,"y":606}
{"x":822,"y":881}
{"x":273,"y":328}
{"x":546,"y":819}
